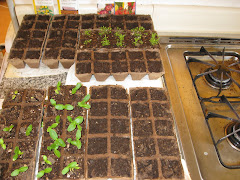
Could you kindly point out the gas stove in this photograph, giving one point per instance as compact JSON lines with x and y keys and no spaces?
{"x":203,"y":80}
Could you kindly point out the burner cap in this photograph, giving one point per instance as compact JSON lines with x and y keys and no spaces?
{"x":233,"y":140}
{"x":214,"y":79}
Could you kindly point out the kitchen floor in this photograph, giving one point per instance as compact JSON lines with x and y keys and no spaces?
{"x":4,"y":20}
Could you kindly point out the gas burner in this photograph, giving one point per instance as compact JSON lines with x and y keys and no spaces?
{"x":219,"y":79}
{"x":233,"y":140}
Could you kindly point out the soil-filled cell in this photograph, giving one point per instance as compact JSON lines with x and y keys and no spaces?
{"x":70,"y":34}
{"x":35,"y":43}
{"x":100,"y":56}
{"x":87,"y":25}
{"x":23,"y":34}
{"x":99,"y":109}
{"x":41,"y":25}
{"x":97,"y":167}
{"x":31,"y":54}
{"x":69,"y":43}
{"x":102,"y":18}
{"x":140,"y":110}
{"x":3,"y":169}
{"x":29,"y":17}
{"x":117,"y":18}
{"x":138,"y":94}
{"x":6,"y":154}
{"x":61,"y":17}
{"x":158,"y":94}
{"x":11,"y":113}
{"x":142,"y":128}
{"x":72,"y":24}
{"x":28,"y":149}
{"x":73,"y":150}
{"x":121,"y":126}
{"x":38,"y":34}
{"x":76,"y":173}
{"x":145,"y":18}
{"x":78,"y":96}
{"x":121,"y":167}
{"x":31,"y":113}
{"x":144,"y":147}
{"x":147,"y":26}
{"x":67,"y":54}
{"x":8,"y":134}
{"x":76,"y":111}
{"x":97,"y":126}
{"x":57,"y":24}
{"x":14,"y":96}
{"x":161,"y":110}
{"x":23,"y":129}
{"x":82,"y":68}
{"x":97,"y":146}
{"x":27,"y":25}
{"x":87,"y":17}
{"x":51,"y":53}
{"x":55,"y":34}
{"x":81,"y":56}
{"x":118,"y":93}
{"x":147,"y":169}
{"x":48,"y":122}
{"x":43,"y":17}
{"x":100,"y":24}
{"x":74,"y":17}
{"x":19,"y":44}
{"x":116,"y":25}
{"x":137,"y":66}
{"x":118,"y":56}
{"x":51,"y":111}
{"x":54,"y":43}
{"x":135,"y":55}
{"x":120,"y":145}
{"x":152,"y":55}
{"x":99,"y":92}
{"x":60,"y":96}
{"x":130,"y":17}
{"x":18,"y":54}
{"x":101,"y":67}
{"x":164,"y":128}
{"x":119,"y":66}
{"x":155,"y":66}
{"x":131,"y":25}
{"x":168,"y":147}
{"x":171,"y":169}
{"x":119,"y":109}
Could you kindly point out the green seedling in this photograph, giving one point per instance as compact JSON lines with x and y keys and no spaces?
{"x":20,"y":170}
{"x":57,"y":119}
{"x":58,"y":87}
{"x":41,"y":173}
{"x":70,"y":167}
{"x":154,"y":39}
{"x":61,"y":106}
{"x":29,"y":130}
{"x":120,"y":40}
{"x":105,"y":41}
{"x":17,"y":153}
{"x":137,"y":41}
{"x":87,"y":41}
{"x":138,"y":31}
{"x":87,"y":32}
{"x":105,"y":30}
{"x":8,"y":129}
{"x":83,"y":102}
{"x":54,"y":125}
{"x":2,"y":143}
{"x":74,"y":123}
{"x":46,"y":160}
{"x":77,"y":87}
{"x":77,"y":142}
{"x":14,"y":95}
{"x":55,"y":145}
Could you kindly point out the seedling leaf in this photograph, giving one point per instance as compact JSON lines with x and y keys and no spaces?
{"x":47,"y":170}
{"x":29,"y":129}
{"x":53,"y":134}
{"x":69,"y":119}
{"x":68,"y":107}
{"x":61,"y":142}
{"x":15,"y":172}
{"x":57,"y":119}
{"x":46,"y":160}
{"x":71,"y":126}
{"x":8,"y":129}
{"x":78,"y":119}
{"x":78,"y":134}
{"x":2,"y":143}
{"x":57,"y":153}
{"x":59,"y":106}
{"x":40,"y":174}
{"x":23,"y":168}
{"x":65,"y":170}
{"x":53,"y":102}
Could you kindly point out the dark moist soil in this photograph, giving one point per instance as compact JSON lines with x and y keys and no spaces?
{"x":72,"y":24}
{"x":28,"y":149}
{"x":38,"y":34}
{"x":131,"y":25}
{"x":16,"y":54}
{"x":168,"y":147}
{"x":137,"y":66}
{"x":57,"y":97}
{"x":99,"y":109}
{"x":6,"y":154}
{"x":120,"y":145}
{"x":7,"y":134}
{"x":57,"y":24}
{"x":97,"y":126}
{"x":97,"y":167}
{"x":118,"y":93}
{"x":19,"y":44}
{"x":35,"y":43}
{"x":81,"y":56}
{"x":27,"y":25}
{"x":87,"y":25}
{"x":164,"y":127}
{"x":97,"y":146}
{"x":51,"y":111}
{"x":103,"y":17}
{"x":77,"y":173}
{"x":70,"y":34}
{"x":76,"y":111}
{"x":55,"y":34}
{"x":158,"y":94}
{"x":74,"y":17}
{"x":138,"y":94}
{"x":130,"y":17}
{"x":118,"y":18}
{"x":62,"y":17}
{"x":155,"y":66}
{"x":11,"y":113}
{"x":118,"y":55}
{"x":83,"y":68}
{"x":161,"y":110}
{"x":171,"y":169}
{"x":67,"y":54}
{"x":11,"y":97}
{"x":31,"y":112}
{"x":102,"y":23}
{"x":78,"y":96}
{"x":43,"y":18}
{"x":135,"y":55}
{"x":142,"y":128}
{"x":116,"y":25}
{"x":69,"y":43}
{"x":119,"y":109}
{"x":29,"y":17}
{"x":152,"y":55}
{"x":33,"y":54}
{"x":3,"y":169}
{"x":119,"y":66}
{"x":147,"y":26}
{"x":23,"y":34}
{"x":41,"y":25}
{"x":147,"y":169}
{"x":101,"y":67}
{"x":99,"y":92}
{"x":23,"y":128}
{"x":51,"y":53}
{"x":101,"y":55}
{"x":140,"y":110}
{"x":144,"y":147}
{"x":120,"y":126}
{"x":87,"y":17}
{"x":73,"y":150}
{"x":145,"y":18}
{"x":121,"y":167}
{"x":54,"y":43}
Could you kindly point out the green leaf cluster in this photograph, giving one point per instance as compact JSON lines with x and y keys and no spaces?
{"x":71,"y":166}
{"x":55,"y":145}
{"x":54,"y":125}
{"x":61,"y":106}
{"x":2,"y":143}
{"x":104,"y":31}
{"x":58,"y":87}
{"x":41,"y":173}
{"x":83,"y":103}
{"x":87,"y":41}
{"x":137,"y":41}
{"x":17,"y":153}
{"x":14,"y":95}
{"x":105,"y":41}
{"x":46,"y":160}
{"x":120,"y":40}
{"x":29,"y":130}
{"x":77,"y":87}
{"x":73,"y":123}
{"x":17,"y":171}
{"x":8,"y":129}
{"x":154,"y":39}
{"x":87,"y":32}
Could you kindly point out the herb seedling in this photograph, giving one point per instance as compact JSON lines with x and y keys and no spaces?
{"x":71,"y":166}
{"x":20,"y":170}
{"x":54,"y":125}
{"x":61,"y":106}
{"x":77,"y":143}
{"x":14,"y":95}
{"x":2,"y":143}
{"x":57,"y":142}
{"x":73,"y":123}
{"x":83,"y":102}
{"x":41,"y":173}
{"x":105,"y":30}
{"x":29,"y":130}
{"x":137,"y":41}
{"x":138,"y":31}
{"x":120,"y":40}
{"x":17,"y":153}
{"x":87,"y":32}
{"x":87,"y":41}
{"x":154,"y":39}
{"x":58,"y":87}
{"x":105,"y":41}
{"x":77,"y":87}
{"x":8,"y":129}
{"x":46,"y":160}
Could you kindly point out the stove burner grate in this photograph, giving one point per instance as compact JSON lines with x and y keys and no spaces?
{"x":233,"y":140}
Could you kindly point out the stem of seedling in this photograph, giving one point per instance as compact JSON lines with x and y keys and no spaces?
{"x":8,"y":129}
{"x":2,"y":144}
{"x":71,"y":166}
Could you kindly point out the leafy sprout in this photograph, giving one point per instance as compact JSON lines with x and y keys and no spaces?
{"x":83,"y":102}
{"x":87,"y":32}
{"x":77,"y":87}
{"x":71,"y":166}
{"x":77,"y":142}
{"x":87,"y":41}
{"x":8,"y":129}
{"x":41,"y":173}
{"x":46,"y":160}
{"x":105,"y":41}
{"x":61,"y":106}
{"x":2,"y":143}
{"x":14,"y":95}
{"x":137,"y":41}
{"x":138,"y":31}
{"x":17,"y":171}
{"x":58,"y":87}
{"x":74,"y":123}
{"x":29,"y":130}
{"x":17,"y":153}
{"x":105,"y":30}
{"x":154,"y":39}
{"x":55,"y":145}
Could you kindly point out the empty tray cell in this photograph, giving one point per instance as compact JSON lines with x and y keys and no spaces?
{"x":74,"y":17}
{"x":50,"y":58}
{"x":23,"y":34}
{"x":69,"y":43}
{"x":32,"y":58}
{"x":84,"y":55}
{"x":83,"y":71}
{"x":101,"y":55}
{"x":103,"y":18}
{"x":88,"y":17}
{"x":59,"y":17}
{"x":53,"y":43}
{"x":118,"y":55}
{"x":100,"y":24}
{"x":43,"y":18}
{"x":27,"y":25}
{"x":138,"y":69}
{"x":38,"y":34}
{"x":87,"y":25}
{"x":29,"y":17}
{"x":147,"y":25}
{"x":41,"y":25}
{"x":109,"y":134}
{"x":131,"y":25}
{"x":67,"y":57}
{"x":135,"y":55}
{"x":152,"y":55}
{"x":19,"y":43}
{"x":57,"y":24}
{"x":55,"y":34}
{"x":144,"y":18}
{"x":154,"y":139}
{"x":35,"y":43}
{"x":131,"y":17}
{"x":72,"y":34}
{"x":72,"y":24}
